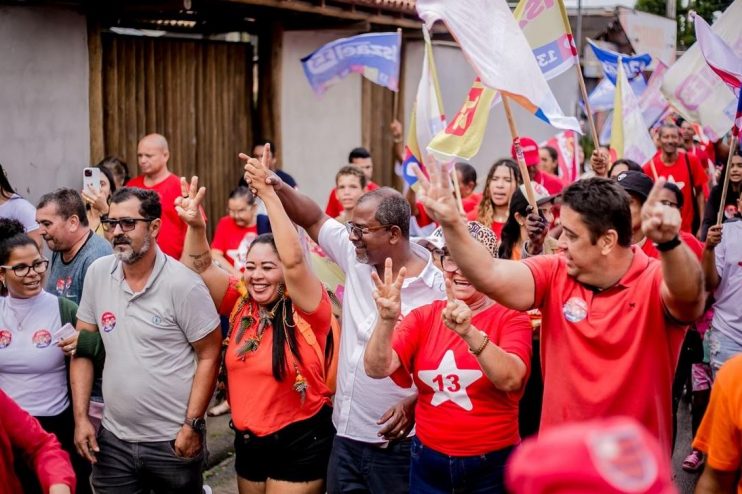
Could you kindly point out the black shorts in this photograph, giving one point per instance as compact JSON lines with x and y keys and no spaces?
{"x":297,"y":453}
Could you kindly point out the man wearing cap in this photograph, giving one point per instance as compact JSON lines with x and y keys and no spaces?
{"x":533,"y":159}
{"x":639,"y":185}
{"x":610,"y":313}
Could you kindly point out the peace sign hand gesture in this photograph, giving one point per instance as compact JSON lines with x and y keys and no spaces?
{"x":388,"y":293}
{"x":188,"y":206}
{"x":660,"y":223}
{"x":456,"y":315}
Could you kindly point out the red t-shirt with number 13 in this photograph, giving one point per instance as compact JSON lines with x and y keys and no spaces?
{"x":459,"y":412}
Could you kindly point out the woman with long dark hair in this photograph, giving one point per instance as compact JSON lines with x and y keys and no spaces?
{"x":711,"y":211}
{"x":96,"y":203}
{"x":515,"y":233}
{"x":502,"y":180}
{"x":280,"y":318}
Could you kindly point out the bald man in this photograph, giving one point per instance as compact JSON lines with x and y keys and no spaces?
{"x":152,"y":156}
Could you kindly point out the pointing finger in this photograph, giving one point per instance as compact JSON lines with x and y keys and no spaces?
{"x":449,"y":291}
{"x":654,"y":195}
{"x":266,"y":156}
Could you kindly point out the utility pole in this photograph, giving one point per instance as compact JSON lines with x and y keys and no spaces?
{"x":670,"y":9}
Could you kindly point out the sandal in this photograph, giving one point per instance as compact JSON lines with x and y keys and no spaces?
{"x":219,"y":409}
{"x":693,"y":461}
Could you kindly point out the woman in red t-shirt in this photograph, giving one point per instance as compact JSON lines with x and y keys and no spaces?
{"x":502,"y":180}
{"x":469,"y":359}
{"x":280,"y":318}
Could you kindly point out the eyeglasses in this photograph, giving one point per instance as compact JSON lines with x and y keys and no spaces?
{"x":126,"y":224}
{"x":448,"y":264}
{"x":22,"y":270}
{"x":359,"y":231}
{"x":670,"y":204}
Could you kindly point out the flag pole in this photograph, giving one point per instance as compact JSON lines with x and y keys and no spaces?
{"x":395,"y":94}
{"x":457,"y":189}
{"x":588,"y":110}
{"x":519,"y":152}
{"x":732,"y":146}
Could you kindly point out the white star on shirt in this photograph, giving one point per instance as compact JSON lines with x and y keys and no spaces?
{"x":671,"y":179}
{"x":449,"y":382}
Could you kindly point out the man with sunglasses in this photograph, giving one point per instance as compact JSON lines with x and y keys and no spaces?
{"x":63,"y":225}
{"x":373,"y":418}
{"x":162,"y":340}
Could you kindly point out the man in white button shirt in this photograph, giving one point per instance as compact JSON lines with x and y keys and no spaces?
{"x":371,"y":452}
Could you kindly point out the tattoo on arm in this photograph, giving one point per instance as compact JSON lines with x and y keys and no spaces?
{"x":201,"y":262}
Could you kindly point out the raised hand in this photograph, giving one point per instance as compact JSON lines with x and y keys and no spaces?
{"x":713,"y":237}
{"x":660,"y":223}
{"x":96,"y":199}
{"x":537,"y":227}
{"x":456,"y":315}
{"x":600,"y":162}
{"x":258,"y":174}
{"x":188,"y":205}
{"x":437,"y":194}
{"x":387,"y":294}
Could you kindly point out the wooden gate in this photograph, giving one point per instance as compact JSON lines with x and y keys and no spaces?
{"x":198,"y":94}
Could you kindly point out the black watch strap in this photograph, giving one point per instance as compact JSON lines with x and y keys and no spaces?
{"x":669,"y":245}
{"x":197,"y":424}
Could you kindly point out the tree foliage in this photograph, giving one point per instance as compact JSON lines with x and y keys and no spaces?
{"x":686,"y":33}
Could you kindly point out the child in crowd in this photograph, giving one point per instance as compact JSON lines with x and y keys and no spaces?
{"x":350,"y":184}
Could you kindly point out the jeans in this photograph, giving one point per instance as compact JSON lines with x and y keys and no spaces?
{"x":138,"y":468}
{"x":431,"y":471}
{"x":721,"y":348}
{"x":357,"y":467}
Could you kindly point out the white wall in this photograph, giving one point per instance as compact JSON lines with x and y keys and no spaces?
{"x":456,"y":76}
{"x":317,"y":133}
{"x":44,"y":118}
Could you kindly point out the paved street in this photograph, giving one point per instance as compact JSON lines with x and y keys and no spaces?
{"x":221,"y":478}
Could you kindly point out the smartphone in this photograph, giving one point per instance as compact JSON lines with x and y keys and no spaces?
{"x":91,"y":179}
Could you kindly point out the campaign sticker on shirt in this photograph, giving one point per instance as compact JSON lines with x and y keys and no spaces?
{"x":5,"y":338}
{"x":108,"y":321}
{"x":156,"y":320}
{"x":42,"y":338}
{"x":575,"y":309}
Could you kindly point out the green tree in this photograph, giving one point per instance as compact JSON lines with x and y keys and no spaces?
{"x":686,"y":33}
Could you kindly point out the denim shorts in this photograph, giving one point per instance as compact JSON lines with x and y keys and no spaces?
{"x":297,"y":453}
{"x":721,"y":348}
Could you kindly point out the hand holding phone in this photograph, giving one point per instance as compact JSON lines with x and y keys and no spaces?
{"x":91,"y":179}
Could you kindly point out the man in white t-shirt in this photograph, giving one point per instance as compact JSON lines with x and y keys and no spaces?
{"x":373,"y":418}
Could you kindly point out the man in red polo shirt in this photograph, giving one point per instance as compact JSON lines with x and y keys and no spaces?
{"x":613,"y":319}
{"x":152,"y":155}
{"x":531,"y":153}
{"x":361,"y":159}
{"x":682,"y":169}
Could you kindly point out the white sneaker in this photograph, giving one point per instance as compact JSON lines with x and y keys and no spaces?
{"x":207,"y":490}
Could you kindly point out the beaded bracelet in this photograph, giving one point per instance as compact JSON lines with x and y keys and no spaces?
{"x":485,"y":341}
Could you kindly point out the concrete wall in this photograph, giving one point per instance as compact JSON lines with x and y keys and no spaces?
{"x":456,"y":76}
{"x":316,"y":132}
{"x":44,"y":118}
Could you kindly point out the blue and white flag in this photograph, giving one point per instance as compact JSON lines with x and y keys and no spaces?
{"x":373,"y":55}
{"x":601,"y":98}
{"x":633,"y":66}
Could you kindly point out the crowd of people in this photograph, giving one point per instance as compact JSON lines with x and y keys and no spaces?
{"x":448,"y":339}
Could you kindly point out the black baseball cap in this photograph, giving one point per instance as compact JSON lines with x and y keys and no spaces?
{"x":636,"y":182}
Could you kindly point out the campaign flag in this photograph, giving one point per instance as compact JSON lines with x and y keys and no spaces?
{"x":695,"y":91}
{"x":633,"y":65}
{"x":428,"y":117}
{"x":652,"y":103}
{"x":724,"y":62}
{"x":373,"y":55}
{"x":629,"y":135}
{"x":546,"y":26}
{"x":601,"y":98}
{"x":565,"y":144}
{"x":499,"y":52}
{"x":463,"y":136}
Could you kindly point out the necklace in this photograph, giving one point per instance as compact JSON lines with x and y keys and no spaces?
{"x":264,"y":320}
{"x":19,"y":322}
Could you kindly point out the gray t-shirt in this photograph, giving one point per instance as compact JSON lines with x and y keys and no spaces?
{"x":20,"y":209}
{"x":150,"y":362}
{"x":65,"y":279}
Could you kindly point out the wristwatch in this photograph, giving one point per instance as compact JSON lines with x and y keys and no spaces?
{"x":669,"y":245}
{"x":197,"y":424}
